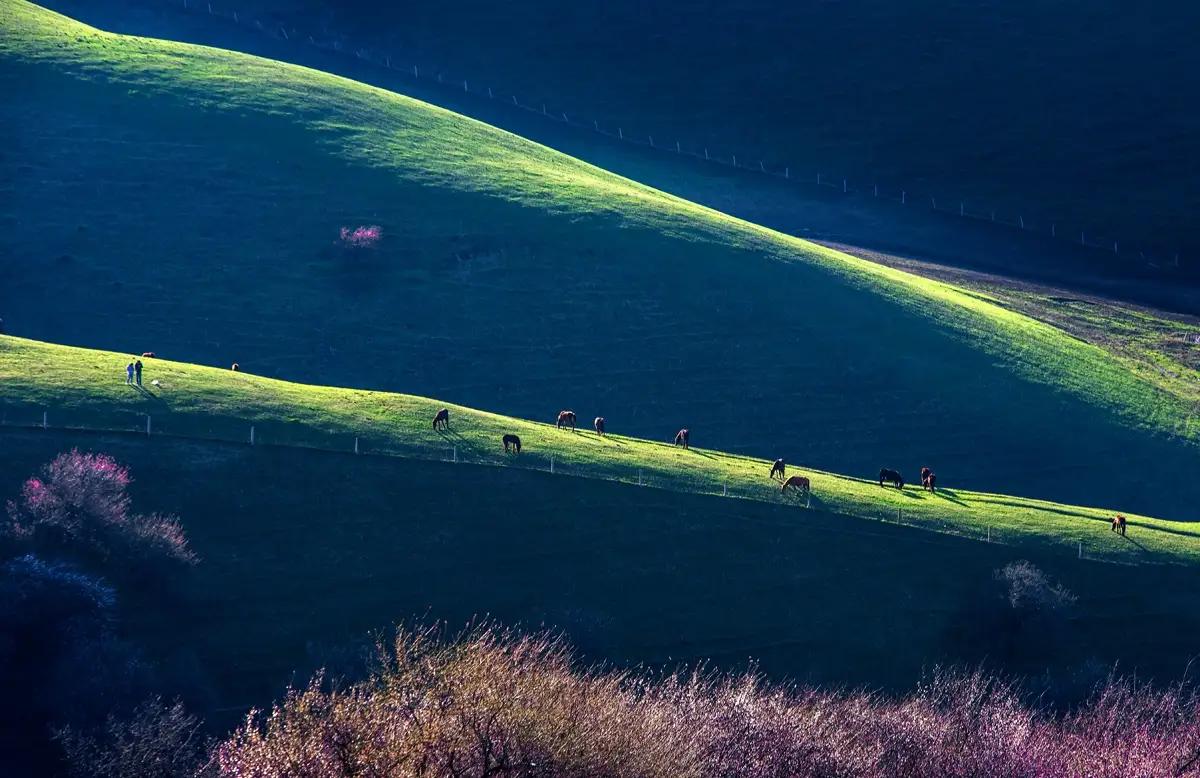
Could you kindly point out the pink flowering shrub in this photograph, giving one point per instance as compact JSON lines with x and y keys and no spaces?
{"x":363,"y":237}
{"x":495,"y":703}
{"x":78,"y":503}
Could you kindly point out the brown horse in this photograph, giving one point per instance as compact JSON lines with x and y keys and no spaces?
{"x":681,"y":437}
{"x":928,"y":479}
{"x":798,"y":482}
{"x":566,"y":419}
{"x":599,"y":425}
{"x":441,"y":420}
{"x":512,"y":444}
{"x":148,"y":354}
{"x":1118,"y":524}
{"x":891,"y":476}
{"x":779,"y":469}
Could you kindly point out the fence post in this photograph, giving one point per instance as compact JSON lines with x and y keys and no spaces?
{"x":356,"y":445}
{"x":651,"y":137}
{"x":251,"y":434}
{"x":1115,"y":248}
{"x":706,"y":152}
{"x":1081,"y":549}
{"x":454,"y":455}
{"x":551,"y":463}
{"x":417,"y":74}
{"x":147,"y":425}
{"x":734,"y":159}
{"x":933,"y":202}
{"x":1022,"y":220}
{"x":595,"y":125}
{"x":844,"y":186}
{"x":903,"y":197}
{"x":818,"y":179}
{"x":677,"y":149}
{"x":45,"y":422}
{"x":620,"y":134}
{"x":962,"y":209}
{"x":465,"y":86}
{"x":989,"y":537}
{"x":565,"y":119}
{"x":899,"y":515}
{"x":490,"y":93}
{"x":787,"y":172}
{"x":639,"y":478}
{"x":725,"y":490}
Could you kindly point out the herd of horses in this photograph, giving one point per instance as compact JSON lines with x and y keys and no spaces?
{"x":797,"y":483}
{"x":568,"y":419}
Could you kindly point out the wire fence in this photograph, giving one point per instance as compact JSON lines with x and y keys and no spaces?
{"x":274,"y":433}
{"x":1157,"y":258}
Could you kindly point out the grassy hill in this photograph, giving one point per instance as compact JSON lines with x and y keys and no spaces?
{"x":516,"y":278}
{"x":304,"y":552}
{"x":85,"y":389}
{"x":1077,"y":112}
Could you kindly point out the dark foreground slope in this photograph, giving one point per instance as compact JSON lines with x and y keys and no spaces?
{"x":187,"y":201}
{"x":304,"y":552}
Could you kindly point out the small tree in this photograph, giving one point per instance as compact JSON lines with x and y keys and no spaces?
{"x":79,"y":504}
{"x":1028,"y":589}
{"x":361,"y":237}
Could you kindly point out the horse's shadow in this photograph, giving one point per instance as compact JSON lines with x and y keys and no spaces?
{"x":948,"y":495}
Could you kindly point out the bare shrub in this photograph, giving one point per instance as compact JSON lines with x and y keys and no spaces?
{"x":497,"y":703}
{"x":154,"y":741}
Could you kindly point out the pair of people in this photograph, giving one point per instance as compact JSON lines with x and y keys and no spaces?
{"x":133,"y":373}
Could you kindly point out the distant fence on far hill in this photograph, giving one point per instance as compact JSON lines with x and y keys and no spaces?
{"x":1157,"y":258}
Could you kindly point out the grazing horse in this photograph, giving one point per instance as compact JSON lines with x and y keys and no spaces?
{"x":566,"y":419}
{"x":891,"y":476}
{"x":235,"y":367}
{"x":1118,"y":524}
{"x":512,"y":444}
{"x":798,"y":482}
{"x":441,"y":420}
{"x":148,"y":354}
{"x":681,"y":437}
{"x":928,"y":479}
{"x":779,"y":469}
{"x":599,"y":425}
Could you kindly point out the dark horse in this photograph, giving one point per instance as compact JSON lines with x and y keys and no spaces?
{"x":1118,"y":524}
{"x":512,"y":444}
{"x":441,"y":421}
{"x":779,"y":469}
{"x":928,"y":479}
{"x":566,"y":419}
{"x":798,"y":482}
{"x":681,"y":438}
{"x":892,"y":477}
{"x":599,"y":425}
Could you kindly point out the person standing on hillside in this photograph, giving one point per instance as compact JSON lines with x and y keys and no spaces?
{"x":137,"y":368}
{"x":129,"y":374}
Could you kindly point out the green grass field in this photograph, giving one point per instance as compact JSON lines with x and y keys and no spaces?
{"x":85,"y":389}
{"x":518,"y":279}
{"x":1075,"y":112}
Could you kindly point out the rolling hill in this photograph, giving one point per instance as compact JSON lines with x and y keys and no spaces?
{"x":85,"y":389}
{"x":143,"y":215}
{"x":303,"y":552}
{"x":1075,"y":112}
